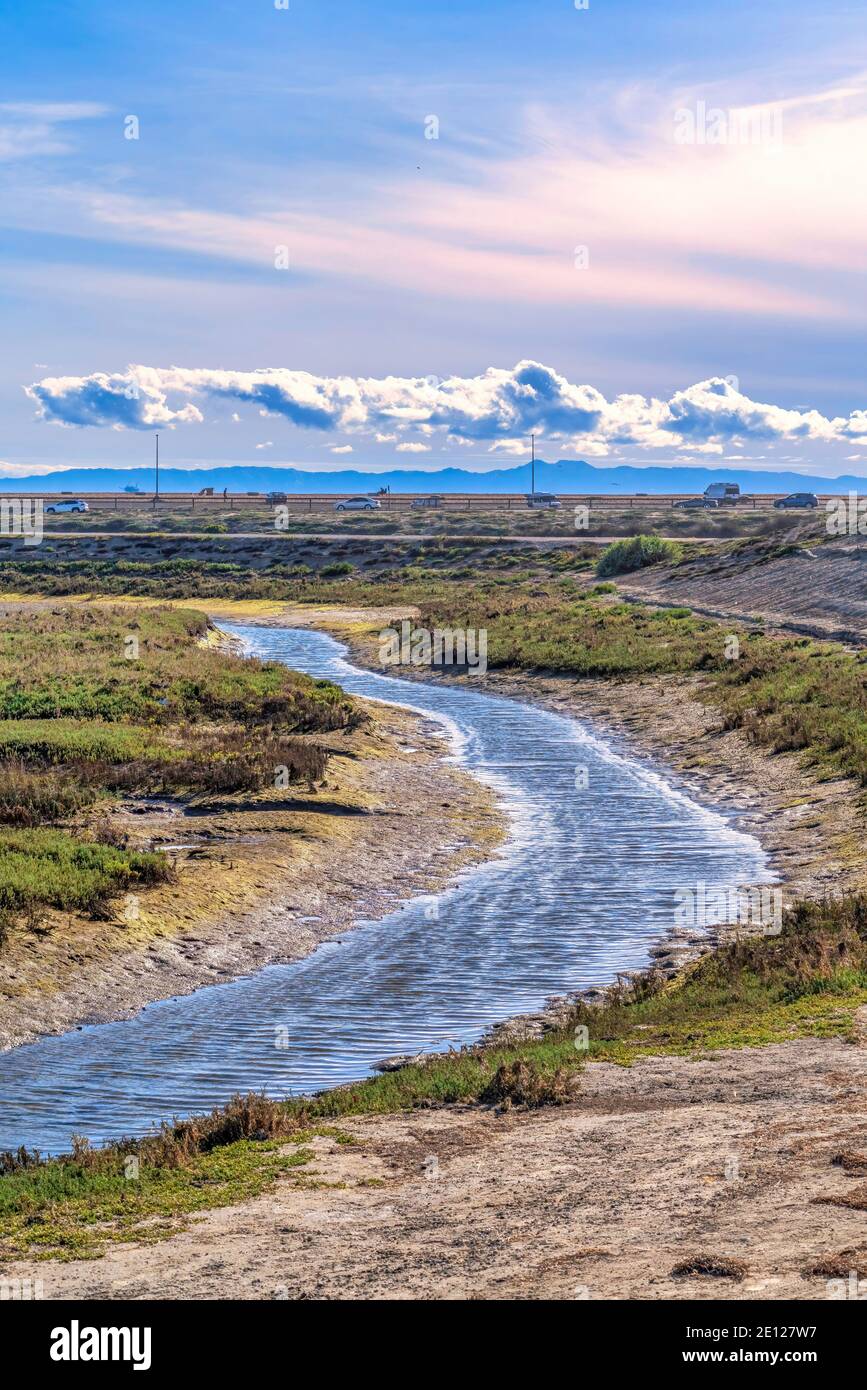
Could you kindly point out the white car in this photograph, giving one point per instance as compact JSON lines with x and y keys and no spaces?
{"x":358,"y":504}
{"x":75,"y":504}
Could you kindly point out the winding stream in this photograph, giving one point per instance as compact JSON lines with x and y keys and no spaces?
{"x":584,"y":886}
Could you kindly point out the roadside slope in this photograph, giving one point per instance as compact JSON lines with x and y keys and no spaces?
{"x":816,"y":588}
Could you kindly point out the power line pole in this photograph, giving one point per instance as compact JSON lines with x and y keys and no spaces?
{"x":533,"y":465}
{"x":157,"y":493}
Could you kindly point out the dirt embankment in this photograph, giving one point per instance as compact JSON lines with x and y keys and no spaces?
{"x":818,"y":589}
{"x":260,"y":879}
{"x":728,"y":1159}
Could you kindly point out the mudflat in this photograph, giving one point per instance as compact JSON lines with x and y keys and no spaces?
{"x":260,"y":879}
{"x":725,"y":1162}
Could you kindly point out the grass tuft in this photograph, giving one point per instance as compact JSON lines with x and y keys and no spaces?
{"x":521,"y":1083}
{"x":709,"y":1267}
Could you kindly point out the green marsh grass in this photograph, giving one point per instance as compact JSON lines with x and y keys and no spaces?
{"x":81,"y":721}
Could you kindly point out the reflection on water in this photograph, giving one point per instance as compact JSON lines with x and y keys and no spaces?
{"x":586,"y":883}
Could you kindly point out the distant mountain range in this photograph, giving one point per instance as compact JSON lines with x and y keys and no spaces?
{"x":565,"y":476}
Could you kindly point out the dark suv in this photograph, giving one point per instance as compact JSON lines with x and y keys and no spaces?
{"x":798,"y":499}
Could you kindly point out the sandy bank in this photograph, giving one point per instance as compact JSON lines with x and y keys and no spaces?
{"x":260,"y":879}
{"x":729,"y":1157}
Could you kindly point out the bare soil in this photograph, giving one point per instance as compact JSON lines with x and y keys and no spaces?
{"x":728,"y":1158}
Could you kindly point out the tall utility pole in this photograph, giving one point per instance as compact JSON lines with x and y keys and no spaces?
{"x":157,"y":493}
{"x":533,"y":464}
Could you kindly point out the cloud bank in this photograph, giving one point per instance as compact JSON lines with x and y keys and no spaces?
{"x":498,"y":406}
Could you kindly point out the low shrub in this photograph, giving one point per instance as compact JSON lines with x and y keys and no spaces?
{"x":710,"y":1267}
{"x":36,"y":798}
{"x":523,"y":1083}
{"x":54,"y":869}
{"x":623,"y":556}
{"x":74,"y":664}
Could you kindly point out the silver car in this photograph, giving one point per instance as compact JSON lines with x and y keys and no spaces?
{"x":358,"y":504}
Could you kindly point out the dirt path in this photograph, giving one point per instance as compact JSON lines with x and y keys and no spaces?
{"x":654,"y":1164}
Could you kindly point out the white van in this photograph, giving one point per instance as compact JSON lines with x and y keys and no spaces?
{"x":723,"y":492}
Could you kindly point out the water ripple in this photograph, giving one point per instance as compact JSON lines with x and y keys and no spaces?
{"x":585,"y":885}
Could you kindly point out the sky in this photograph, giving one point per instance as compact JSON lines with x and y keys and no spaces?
{"x":360,"y":234}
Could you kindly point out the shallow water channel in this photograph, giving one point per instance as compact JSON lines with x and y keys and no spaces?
{"x":584,"y":886}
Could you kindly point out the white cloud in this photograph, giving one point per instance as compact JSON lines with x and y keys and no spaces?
{"x":24,"y":470}
{"x":342,"y":449}
{"x":509,"y":446}
{"x":501,"y":406}
{"x":54,"y":110}
{"x":30,"y":128}
{"x":268,"y":444}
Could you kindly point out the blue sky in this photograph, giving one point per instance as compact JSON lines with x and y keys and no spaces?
{"x":559,"y":218}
